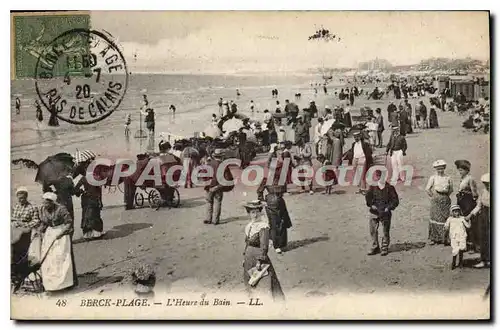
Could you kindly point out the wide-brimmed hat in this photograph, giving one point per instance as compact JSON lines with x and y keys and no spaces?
{"x":463,"y":164}
{"x":439,"y":164}
{"x":50,"y":196}
{"x":218,"y":152}
{"x":485,"y":178}
{"x":21,"y":189}
{"x":254,"y":205}
{"x":225,"y":102}
{"x":454,"y":207}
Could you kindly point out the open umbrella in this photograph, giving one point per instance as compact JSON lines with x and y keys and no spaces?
{"x":84,"y":155}
{"x":326,"y":126}
{"x":212,"y":131}
{"x":54,"y":168}
{"x":232,"y":125}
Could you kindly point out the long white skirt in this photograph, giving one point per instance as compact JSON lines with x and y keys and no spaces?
{"x":57,"y":270}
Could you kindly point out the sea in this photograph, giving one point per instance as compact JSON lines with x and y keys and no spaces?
{"x":194,"y":96}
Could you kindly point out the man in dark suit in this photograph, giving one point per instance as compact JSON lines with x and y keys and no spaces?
{"x":215,"y":189}
{"x":381,"y":199}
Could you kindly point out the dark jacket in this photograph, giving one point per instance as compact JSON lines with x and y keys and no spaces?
{"x":382,"y":199}
{"x":367,"y":150}
{"x":391,"y":108}
{"x":214,"y":163}
{"x":398,"y":143}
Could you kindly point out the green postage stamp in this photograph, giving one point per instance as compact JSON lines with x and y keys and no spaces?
{"x":33,"y":32}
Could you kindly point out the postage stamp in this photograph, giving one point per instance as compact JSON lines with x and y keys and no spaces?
{"x":34,"y":31}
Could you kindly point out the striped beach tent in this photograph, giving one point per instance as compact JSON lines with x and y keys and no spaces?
{"x":84,"y":155}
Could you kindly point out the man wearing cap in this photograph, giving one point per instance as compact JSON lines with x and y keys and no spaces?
{"x":393,"y":116}
{"x":301,"y":131}
{"x":313,"y":109}
{"x":215,"y":189}
{"x":382,"y":199}
{"x":422,"y":111}
{"x":362,"y":159}
{"x":396,"y":148}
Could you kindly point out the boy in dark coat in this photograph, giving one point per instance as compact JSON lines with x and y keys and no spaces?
{"x":381,"y":199}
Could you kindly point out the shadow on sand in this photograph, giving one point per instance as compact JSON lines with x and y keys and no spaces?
{"x":118,"y":232}
{"x":91,"y":280}
{"x":304,"y":242}
{"x":234,"y":219}
{"x":406,"y":246}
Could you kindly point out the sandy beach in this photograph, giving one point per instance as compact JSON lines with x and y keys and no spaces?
{"x":329,"y":238}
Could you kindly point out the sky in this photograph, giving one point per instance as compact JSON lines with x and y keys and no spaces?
{"x":266,"y":41}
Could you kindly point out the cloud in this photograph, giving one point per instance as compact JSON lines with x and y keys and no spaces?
{"x":270,"y":41}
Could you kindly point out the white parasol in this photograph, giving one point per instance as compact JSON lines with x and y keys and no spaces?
{"x":212,"y":131}
{"x":232,"y":124}
{"x":326,"y":126}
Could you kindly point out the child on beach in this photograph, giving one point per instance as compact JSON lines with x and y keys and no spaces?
{"x":128,"y":121}
{"x":328,"y":174}
{"x":457,"y":225}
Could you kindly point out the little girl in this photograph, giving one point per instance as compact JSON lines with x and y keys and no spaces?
{"x":457,"y":225}
{"x":328,"y":174}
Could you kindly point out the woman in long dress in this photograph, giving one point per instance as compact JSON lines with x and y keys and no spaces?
{"x":439,"y":189}
{"x":466,"y":199}
{"x":58,"y":269}
{"x":277,"y":213}
{"x":433,"y":118}
{"x":481,"y":214}
{"x":256,"y":257}
{"x":91,"y":201}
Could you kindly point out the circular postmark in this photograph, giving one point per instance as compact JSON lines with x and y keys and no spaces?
{"x":81,"y":76}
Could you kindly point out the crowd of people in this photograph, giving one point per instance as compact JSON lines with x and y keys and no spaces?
{"x":464,"y":225}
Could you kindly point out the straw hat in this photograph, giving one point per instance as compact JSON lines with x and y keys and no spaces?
{"x":50,"y":196}
{"x":485,"y":178}
{"x":253,"y":205}
{"x":21,"y":189}
{"x":454,"y":207}
{"x":439,"y":164}
{"x":218,"y":152}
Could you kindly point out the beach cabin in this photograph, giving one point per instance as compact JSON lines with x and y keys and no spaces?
{"x":441,"y":83}
{"x":464,"y":85}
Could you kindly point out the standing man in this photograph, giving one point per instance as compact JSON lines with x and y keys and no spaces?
{"x":301,"y":131}
{"x":362,"y":159}
{"x":220,"y":106}
{"x":380,"y":126}
{"x":318,"y":135}
{"x":423,"y":115}
{"x":215,"y":190}
{"x":391,"y":108}
{"x":396,"y":148}
{"x":382,"y":199}
{"x":18,"y":106}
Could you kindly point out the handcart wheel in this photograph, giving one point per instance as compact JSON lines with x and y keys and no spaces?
{"x":176,"y":198}
{"x":139,"y":199}
{"x":154,"y":198}
{"x":120,"y":187}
